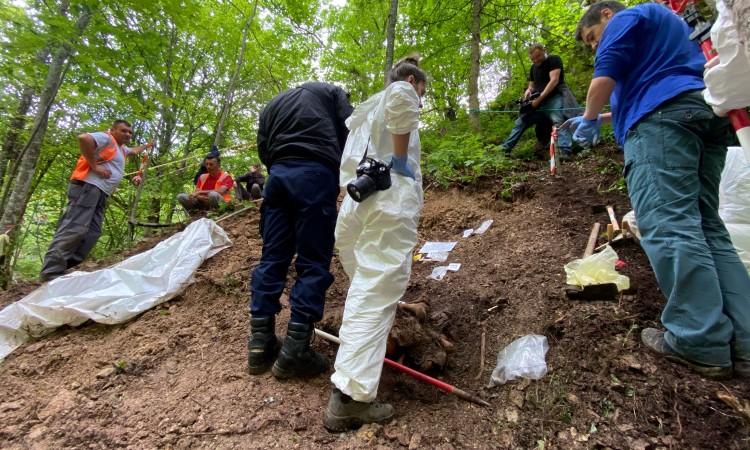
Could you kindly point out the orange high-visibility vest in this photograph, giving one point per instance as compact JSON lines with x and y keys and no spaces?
{"x":222,"y":176}
{"x":82,"y":168}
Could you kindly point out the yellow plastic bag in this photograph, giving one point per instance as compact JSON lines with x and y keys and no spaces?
{"x":598,"y":268}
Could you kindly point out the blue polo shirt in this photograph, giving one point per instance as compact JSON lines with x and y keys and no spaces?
{"x":646,"y":49}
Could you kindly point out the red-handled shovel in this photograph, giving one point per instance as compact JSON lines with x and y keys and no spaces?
{"x":445,"y":387}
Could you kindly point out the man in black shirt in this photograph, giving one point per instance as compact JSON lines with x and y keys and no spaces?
{"x":254,"y":181}
{"x":301,"y":135}
{"x":547,"y":76}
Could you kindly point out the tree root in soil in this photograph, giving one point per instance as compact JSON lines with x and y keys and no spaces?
{"x":417,"y":336}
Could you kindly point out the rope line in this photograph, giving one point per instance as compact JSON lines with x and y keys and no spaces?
{"x":236,"y":147}
{"x":161,"y":165}
{"x":581,"y":108}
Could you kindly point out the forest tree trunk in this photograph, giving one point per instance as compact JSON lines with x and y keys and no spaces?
{"x":16,"y":205}
{"x":476,"y":41}
{"x":390,"y":38}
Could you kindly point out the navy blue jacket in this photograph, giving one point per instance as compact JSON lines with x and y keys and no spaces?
{"x":306,"y":122}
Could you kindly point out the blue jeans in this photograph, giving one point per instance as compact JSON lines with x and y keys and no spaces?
{"x":673,"y":163}
{"x":552,"y":108}
{"x":298,"y":215}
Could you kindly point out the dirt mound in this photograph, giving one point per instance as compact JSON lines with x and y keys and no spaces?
{"x":175,"y":377}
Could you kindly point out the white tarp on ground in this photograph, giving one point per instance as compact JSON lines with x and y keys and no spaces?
{"x":115,"y":294}
{"x":734,"y":201}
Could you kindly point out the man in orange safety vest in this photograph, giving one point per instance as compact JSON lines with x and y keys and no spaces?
{"x":97,"y":173}
{"x":212,"y":188}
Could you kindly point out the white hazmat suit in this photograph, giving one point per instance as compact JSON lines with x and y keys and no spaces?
{"x":727,"y":88}
{"x":727,"y":82}
{"x":375,"y":238}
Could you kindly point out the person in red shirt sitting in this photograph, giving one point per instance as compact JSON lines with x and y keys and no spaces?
{"x":211,"y":189}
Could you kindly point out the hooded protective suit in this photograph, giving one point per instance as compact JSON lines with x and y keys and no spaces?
{"x":375,"y":238}
{"x":726,"y":82}
{"x":726,"y":88}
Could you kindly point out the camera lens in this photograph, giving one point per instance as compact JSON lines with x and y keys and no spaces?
{"x":361,"y":188}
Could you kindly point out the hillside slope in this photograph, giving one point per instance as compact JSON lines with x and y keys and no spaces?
{"x":174,"y":377}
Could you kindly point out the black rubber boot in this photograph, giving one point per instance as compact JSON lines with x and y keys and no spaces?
{"x":297,"y":359}
{"x":344,"y":413}
{"x":263,"y":345}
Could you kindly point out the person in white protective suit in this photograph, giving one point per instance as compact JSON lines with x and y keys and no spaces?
{"x":727,"y":74}
{"x":375,"y":239}
{"x":726,"y":79}
{"x":741,"y":18}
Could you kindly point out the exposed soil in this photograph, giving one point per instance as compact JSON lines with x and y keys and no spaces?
{"x":175,"y":376}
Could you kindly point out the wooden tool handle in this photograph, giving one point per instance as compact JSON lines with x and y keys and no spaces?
{"x":625,"y":228}
{"x":613,"y":218}
{"x":592,"y":240}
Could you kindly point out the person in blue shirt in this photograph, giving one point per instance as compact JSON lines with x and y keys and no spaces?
{"x":675,"y":146}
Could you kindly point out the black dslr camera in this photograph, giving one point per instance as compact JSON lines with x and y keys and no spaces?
{"x":372,"y":175}
{"x":526,"y":103}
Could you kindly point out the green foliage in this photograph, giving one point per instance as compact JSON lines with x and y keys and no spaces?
{"x":454,"y":154}
{"x":525,"y":150}
{"x":566,"y":415}
{"x":607,"y":407}
{"x":509,"y":182}
{"x":163,"y":65}
{"x":120,"y":365}
{"x":617,"y":186}
{"x":609,"y":166}
{"x":167,"y":66}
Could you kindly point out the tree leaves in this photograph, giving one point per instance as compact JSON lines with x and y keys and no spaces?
{"x":166,"y":66}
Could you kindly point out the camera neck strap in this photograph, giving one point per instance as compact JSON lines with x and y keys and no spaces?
{"x":367,"y":147}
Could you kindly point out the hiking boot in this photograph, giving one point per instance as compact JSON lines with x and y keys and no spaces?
{"x":654,"y":340}
{"x":263,"y":345}
{"x":296,"y":358}
{"x":742,"y":369}
{"x":45,"y":277}
{"x":565,"y":156}
{"x":345,"y":413}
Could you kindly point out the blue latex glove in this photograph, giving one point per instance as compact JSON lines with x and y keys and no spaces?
{"x":400,"y":165}
{"x":572,"y":123}
{"x":587,"y":133}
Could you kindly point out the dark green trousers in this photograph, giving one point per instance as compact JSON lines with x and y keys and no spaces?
{"x":673,"y":163}
{"x":78,"y":229}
